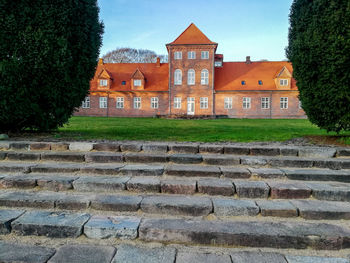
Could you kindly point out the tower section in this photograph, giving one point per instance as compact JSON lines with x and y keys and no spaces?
{"x":191,"y":73}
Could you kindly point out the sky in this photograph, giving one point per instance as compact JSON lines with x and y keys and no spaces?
{"x":256,"y":28}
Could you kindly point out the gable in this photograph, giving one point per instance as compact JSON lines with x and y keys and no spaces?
{"x":138,"y":75}
{"x":192,"y":35}
{"x":284,"y":73}
{"x":104,"y":74}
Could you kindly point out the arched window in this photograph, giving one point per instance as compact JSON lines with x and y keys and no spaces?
{"x":191,"y":79}
{"x":205,"y":77}
{"x":178,"y":77}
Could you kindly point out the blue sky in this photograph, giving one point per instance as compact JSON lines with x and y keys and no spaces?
{"x":256,"y":28}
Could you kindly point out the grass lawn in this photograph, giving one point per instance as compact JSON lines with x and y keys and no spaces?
{"x":239,"y":130}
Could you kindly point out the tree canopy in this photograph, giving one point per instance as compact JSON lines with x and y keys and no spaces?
{"x":319,"y":49}
{"x":132,"y":55}
{"x":48,"y":54}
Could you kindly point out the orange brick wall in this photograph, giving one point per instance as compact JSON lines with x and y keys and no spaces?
{"x":128,"y":110}
{"x":198,"y":90}
{"x":256,"y":111}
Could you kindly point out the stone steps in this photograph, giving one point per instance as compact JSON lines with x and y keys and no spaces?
{"x":237,"y":188}
{"x":255,"y":149}
{"x":286,"y":234}
{"x":222,"y":196}
{"x":178,"y":205}
{"x":127,"y":253}
{"x":178,"y":158}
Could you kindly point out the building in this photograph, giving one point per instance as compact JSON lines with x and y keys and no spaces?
{"x":195,"y":82}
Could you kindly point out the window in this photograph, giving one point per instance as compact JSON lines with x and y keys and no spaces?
{"x":191,"y":55}
{"x":300,"y":105}
{"x":284,"y":82}
{"x":86,"y":103}
{"x":103,"y":102}
{"x":218,"y":63}
{"x":178,"y":77}
{"x":204,"y":103}
{"x":260,"y":82}
{"x":205,"y":55}
{"x":137,"y":83}
{"x":243,"y":82}
{"x":103,"y":83}
{"x":228,"y":103}
{"x":177,"y":55}
{"x":265,"y":103}
{"x":120,"y":103}
{"x":154,"y":102}
{"x":246,"y":103}
{"x":284,"y":103}
{"x":191,"y":77}
{"x":137,"y":103}
{"x":123,"y":82}
{"x":177,"y":103}
{"x":205,"y":77}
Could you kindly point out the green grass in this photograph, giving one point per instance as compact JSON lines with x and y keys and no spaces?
{"x":219,"y":130}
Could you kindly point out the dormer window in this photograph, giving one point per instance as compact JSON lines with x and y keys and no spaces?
{"x":260,"y":82}
{"x":123,"y":82}
{"x":137,"y":83}
{"x":243,"y":82}
{"x":218,"y":63}
{"x":191,"y":55}
{"x":284,"y":82}
{"x":103,"y":83}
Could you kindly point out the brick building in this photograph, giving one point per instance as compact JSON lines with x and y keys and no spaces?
{"x":195,"y":82}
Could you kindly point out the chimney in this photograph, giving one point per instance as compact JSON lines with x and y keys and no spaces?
{"x":100,"y":61}
{"x":248,"y":61}
{"x":158,"y":62}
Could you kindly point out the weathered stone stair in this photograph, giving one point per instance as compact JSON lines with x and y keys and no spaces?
{"x":281,"y":203}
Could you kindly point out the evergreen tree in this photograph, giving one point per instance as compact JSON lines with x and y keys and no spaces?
{"x":48,"y":54}
{"x":319,"y":49}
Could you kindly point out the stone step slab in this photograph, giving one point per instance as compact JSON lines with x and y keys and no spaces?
{"x":331,"y":191}
{"x":183,"y":257}
{"x":50,"y":224}
{"x":185,"y":158}
{"x":257,"y":257}
{"x":314,"y":209}
{"x":251,"y":189}
{"x":132,"y":254}
{"x":103,"y":169}
{"x":177,"y":205}
{"x":235,"y":172}
{"x":142,"y":170}
{"x":121,"y":227}
{"x":318,"y":175}
{"x":232,"y":207}
{"x":277,"y":208}
{"x":15,"y":167}
{"x":215,"y":187}
{"x":103,"y":157}
{"x":289,"y":190}
{"x":221,"y":159}
{"x":101,"y":183}
{"x":144,"y":184}
{"x":145,"y":158}
{"x":252,"y":234}
{"x":186,"y":187}
{"x":6,"y":217}
{"x":192,"y":171}
{"x":63,"y":157}
{"x":83,"y":253}
{"x":118,"y":203}
{"x":306,"y":259}
{"x":28,"y":199}
{"x":13,"y":252}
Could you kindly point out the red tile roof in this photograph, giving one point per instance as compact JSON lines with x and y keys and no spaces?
{"x":231,"y":75}
{"x":156,"y":77}
{"x":192,"y":35}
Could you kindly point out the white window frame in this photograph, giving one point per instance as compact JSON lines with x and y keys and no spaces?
{"x":283,"y":82}
{"x":137,"y":83}
{"x":203,"y":102}
{"x":205,"y":55}
{"x":204,"y":77}
{"x":300,"y":105}
{"x":103,"y":83}
{"x":178,"y":55}
{"x":247,"y":103}
{"x":177,"y":77}
{"x":103,"y":103}
{"x":86,"y":103}
{"x":154,"y":102}
{"x":177,"y":103}
{"x":191,"y":55}
{"x":227,"y":103}
{"x":265,"y":103}
{"x":191,"y":77}
{"x":218,"y":64}
{"x":120,"y":103}
{"x":284,"y":103}
{"x":137,"y":102}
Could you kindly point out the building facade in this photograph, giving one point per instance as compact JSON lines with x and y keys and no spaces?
{"x":195,"y":82}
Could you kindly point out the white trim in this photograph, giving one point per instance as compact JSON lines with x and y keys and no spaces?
{"x":177,"y":103}
{"x":177,"y":77}
{"x":86,"y":103}
{"x":103,"y":103}
{"x":205,"y":55}
{"x":154,"y":102}
{"x":228,"y":103}
{"x":119,"y":103}
{"x":191,"y":77}
{"x":204,"y":77}
{"x":137,"y":102}
{"x":247,"y":103}
{"x":265,"y":103}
